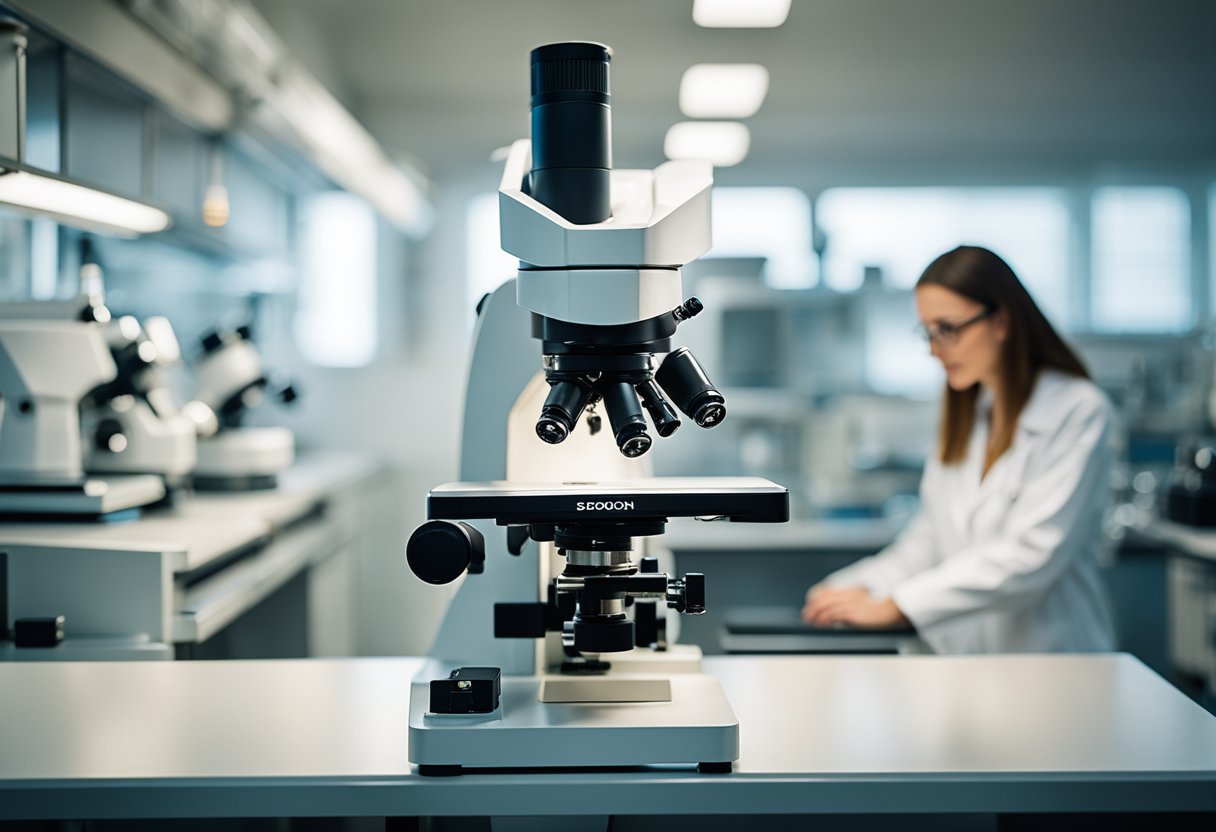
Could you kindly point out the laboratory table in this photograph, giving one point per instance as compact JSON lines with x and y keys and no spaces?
{"x":860,"y":734}
{"x":179,"y":575}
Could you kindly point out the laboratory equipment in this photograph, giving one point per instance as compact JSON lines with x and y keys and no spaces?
{"x":132,"y":424}
{"x":53,"y":354}
{"x":232,"y":383}
{"x":599,"y":286}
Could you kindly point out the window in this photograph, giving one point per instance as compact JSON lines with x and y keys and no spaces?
{"x":901,"y":230}
{"x":1141,"y":260}
{"x":773,"y":223}
{"x":335,"y":322}
{"x":488,"y":265}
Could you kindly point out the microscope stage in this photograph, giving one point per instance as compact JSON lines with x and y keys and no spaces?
{"x":738,"y":499}
{"x":98,"y":497}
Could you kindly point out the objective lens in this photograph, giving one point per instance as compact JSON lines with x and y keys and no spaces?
{"x":572,"y":130}
{"x":625,"y":416}
{"x":685,"y":381}
{"x":561,"y":410}
{"x":661,"y":413}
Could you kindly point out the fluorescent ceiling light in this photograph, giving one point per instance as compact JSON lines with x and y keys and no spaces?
{"x":740,"y":14}
{"x":724,"y":143}
{"x":723,"y":90}
{"x":79,"y":206}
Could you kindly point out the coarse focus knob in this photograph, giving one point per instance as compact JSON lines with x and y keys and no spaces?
{"x":440,"y":551}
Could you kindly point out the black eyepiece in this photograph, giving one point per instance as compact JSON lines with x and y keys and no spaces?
{"x":685,"y":381}
{"x":572,"y":130}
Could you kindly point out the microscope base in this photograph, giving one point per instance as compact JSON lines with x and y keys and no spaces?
{"x":696,"y":727}
{"x":99,"y":498}
{"x":239,"y":459}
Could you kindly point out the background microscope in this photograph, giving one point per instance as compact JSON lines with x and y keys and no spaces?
{"x":599,"y":286}
{"x":53,"y":354}
{"x":132,"y":424}
{"x":232,"y":383}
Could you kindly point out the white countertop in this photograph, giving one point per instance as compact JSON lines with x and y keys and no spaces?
{"x":203,"y":526}
{"x":819,"y":734}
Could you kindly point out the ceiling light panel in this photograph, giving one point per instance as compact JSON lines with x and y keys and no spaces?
{"x":723,"y":90}
{"x":724,"y":143}
{"x":79,"y":206}
{"x":740,"y":14}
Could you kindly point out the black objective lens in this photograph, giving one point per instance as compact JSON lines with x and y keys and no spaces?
{"x":625,"y":415}
{"x":572,"y":130}
{"x":684,"y":380}
{"x":661,"y":413}
{"x":561,"y":410}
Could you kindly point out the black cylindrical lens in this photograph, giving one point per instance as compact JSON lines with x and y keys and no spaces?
{"x":661,"y":413}
{"x":625,"y":415}
{"x":572,"y":130}
{"x":610,"y":635}
{"x":562,"y":408}
{"x":684,"y":380}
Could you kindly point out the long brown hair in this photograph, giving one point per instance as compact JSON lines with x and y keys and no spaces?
{"x":1031,"y":345}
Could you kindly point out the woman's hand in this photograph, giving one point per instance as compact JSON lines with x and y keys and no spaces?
{"x":822,"y":595}
{"x":853,"y":606}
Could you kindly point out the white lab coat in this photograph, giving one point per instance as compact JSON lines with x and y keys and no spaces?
{"x":1011,"y":563}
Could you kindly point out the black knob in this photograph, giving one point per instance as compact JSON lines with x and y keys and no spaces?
{"x":694,"y":593}
{"x":649,"y":566}
{"x":212,"y":341}
{"x":244,"y":332}
{"x":288,"y":393}
{"x":440,"y":551}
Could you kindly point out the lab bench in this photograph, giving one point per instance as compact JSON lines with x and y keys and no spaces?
{"x":879,"y":736}
{"x":751,"y":567}
{"x":174,"y":582}
{"x":1190,"y":575}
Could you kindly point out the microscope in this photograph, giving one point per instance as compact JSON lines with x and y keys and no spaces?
{"x":552,"y":651}
{"x":53,"y":355}
{"x":232,"y":383}
{"x":132,"y":424}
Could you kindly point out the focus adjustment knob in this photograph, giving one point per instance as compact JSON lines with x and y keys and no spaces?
{"x":694,"y":593}
{"x":649,"y":566}
{"x":440,"y":551}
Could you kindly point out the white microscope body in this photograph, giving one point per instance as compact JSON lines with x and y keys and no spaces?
{"x":231,"y":382}
{"x":577,"y":498}
{"x":134,"y":425}
{"x":52,"y":355}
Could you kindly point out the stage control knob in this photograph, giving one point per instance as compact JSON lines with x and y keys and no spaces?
{"x":441,"y":551}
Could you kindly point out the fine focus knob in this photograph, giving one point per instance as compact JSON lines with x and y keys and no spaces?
{"x":440,"y":551}
{"x":694,"y":593}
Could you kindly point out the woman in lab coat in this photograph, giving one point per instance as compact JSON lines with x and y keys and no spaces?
{"x":1003,"y":555}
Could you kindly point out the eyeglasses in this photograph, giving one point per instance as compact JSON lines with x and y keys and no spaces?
{"x":946,"y":333}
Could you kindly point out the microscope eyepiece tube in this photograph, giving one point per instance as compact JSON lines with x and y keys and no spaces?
{"x":561,"y":410}
{"x":572,"y":130}
{"x":625,"y":415}
{"x":685,"y":381}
